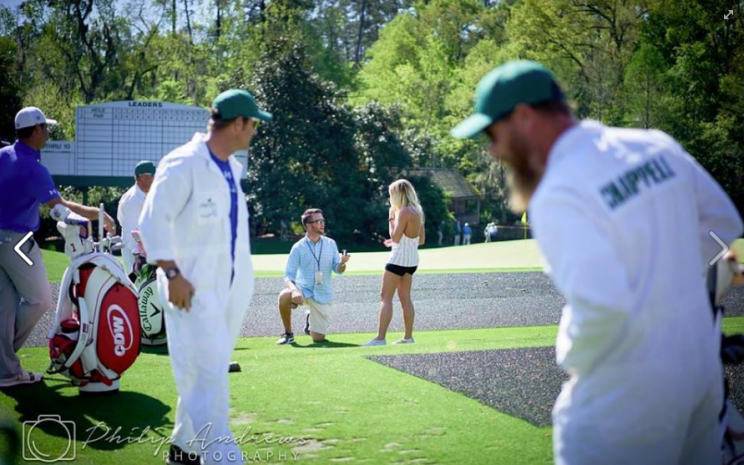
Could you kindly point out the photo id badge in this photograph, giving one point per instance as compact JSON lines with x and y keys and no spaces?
{"x":318,"y":277}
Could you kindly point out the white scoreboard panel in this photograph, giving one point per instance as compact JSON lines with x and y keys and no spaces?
{"x":59,"y":157}
{"x":112,"y":137}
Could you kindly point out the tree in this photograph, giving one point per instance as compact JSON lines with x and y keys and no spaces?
{"x":383,"y":156}
{"x":588,"y":45}
{"x":415,"y":62}
{"x":644,"y":87}
{"x":704,"y":59}
{"x":306,"y":156}
{"x":10,"y":88}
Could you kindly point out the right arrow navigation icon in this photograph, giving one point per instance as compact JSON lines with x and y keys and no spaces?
{"x":724,"y":248}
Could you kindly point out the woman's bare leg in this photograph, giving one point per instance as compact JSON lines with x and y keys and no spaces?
{"x":404,"y":294}
{"x":389,"y":284}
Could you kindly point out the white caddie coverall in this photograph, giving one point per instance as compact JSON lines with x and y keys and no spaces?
{"x":186,"y":219}
{"x":622,"y":218}
{"x":128,"y":213}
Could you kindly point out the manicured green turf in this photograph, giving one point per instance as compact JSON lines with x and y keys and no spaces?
{"x":342,"y":404}
{"x":325,"y":403}
{"x":279,"y":274}
{"x":509,"y":256}
{"x":55,"y":262}
{"x":477,"y":258}
{"x":496,"y":256}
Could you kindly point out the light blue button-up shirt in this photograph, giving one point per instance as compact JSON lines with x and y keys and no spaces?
{"x":305,"y":259}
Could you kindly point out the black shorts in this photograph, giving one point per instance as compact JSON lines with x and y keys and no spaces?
{"x":400,"y":270}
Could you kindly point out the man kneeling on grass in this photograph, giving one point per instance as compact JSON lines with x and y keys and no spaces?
{"x":308,"y":278}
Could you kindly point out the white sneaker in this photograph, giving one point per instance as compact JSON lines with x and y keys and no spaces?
{"x":25,"y":377}
{"x":375,"y":342}
{"x":404,"y":341}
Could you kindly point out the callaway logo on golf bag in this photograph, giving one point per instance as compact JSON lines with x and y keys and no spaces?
{"x":150,"y":312}
{"x":96,"y":335}
{"x":152,"y":319}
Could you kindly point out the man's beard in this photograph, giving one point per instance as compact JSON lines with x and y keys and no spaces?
{"x":522,"y":178}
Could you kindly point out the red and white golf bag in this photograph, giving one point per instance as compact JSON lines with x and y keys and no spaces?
{"x":96,"y":335}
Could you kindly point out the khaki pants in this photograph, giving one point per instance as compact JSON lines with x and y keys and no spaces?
{"x":24,"y":297}
{"x":320,"y":318}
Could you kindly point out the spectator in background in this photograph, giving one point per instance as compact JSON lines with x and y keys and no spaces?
{"x":487,"y":232}
{"x":467,"y":232}
{"x":130,"y":207}
{"x":458,"y":232}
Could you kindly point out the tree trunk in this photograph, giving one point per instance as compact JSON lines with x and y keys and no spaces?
{"x":188,"y":21}
{"x":358,"y":53}
{"x":173,"y":16}
{"x":647,"y":122}
{"x":219,"y":19}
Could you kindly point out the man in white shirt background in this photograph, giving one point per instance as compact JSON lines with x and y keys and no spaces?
{"x":130,"y":207}
{"x":622,"y":218}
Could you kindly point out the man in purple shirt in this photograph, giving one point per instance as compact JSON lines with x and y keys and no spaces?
{"x":25,"y":184}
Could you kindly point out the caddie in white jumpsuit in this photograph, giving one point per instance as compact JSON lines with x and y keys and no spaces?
{"x":622,"y":218}
{"x":195,"y":228}
{"x":130,"y":208}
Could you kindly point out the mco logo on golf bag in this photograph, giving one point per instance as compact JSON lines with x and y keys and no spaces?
{"x":97,"y":337}
{"x":121,"y":330}
{"x":96,"y":334}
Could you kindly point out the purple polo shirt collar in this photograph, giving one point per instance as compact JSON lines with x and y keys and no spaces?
{"x":20,"y":147}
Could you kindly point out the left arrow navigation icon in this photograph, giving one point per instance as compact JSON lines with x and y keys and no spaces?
{"x":18,"y":246}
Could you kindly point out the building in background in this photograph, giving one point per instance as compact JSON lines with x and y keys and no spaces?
{"x":464,"y":199}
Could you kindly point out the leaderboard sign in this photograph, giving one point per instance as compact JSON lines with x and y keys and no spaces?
{"x":112,"y":137}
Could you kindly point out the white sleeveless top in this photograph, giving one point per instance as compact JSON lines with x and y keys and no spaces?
{"x":405,"y":252}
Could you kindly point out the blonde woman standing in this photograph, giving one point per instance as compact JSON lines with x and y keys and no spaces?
{"x":406,"y":227}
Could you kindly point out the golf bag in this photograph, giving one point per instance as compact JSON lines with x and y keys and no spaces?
{"x":720,"y":278}
{"x":96,"y":334}
{"x":152,"y":318}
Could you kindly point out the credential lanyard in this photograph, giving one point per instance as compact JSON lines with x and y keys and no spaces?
{"x":317,"y":259}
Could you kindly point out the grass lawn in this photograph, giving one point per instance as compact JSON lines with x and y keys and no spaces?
{"x":477,"y":258}
{"x":497,"y":256}
{"x":55,"y":262}
{"x":314,"y":405}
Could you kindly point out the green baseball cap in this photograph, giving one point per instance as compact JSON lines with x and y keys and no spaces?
{"x":505,"y":87}
{"x":144,"y":167}
{"x":236,"y":102}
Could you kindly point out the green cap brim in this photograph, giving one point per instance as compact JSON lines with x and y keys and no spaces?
{"x":264,"y":116}
{"x":472,"y":126}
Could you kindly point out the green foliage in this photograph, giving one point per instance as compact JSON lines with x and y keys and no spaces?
{"x":364,"y":90}
{"x":306,"y":156}
{"x":644,"y":88}
{"x":433,"y":201}
{"x":10,"y":88}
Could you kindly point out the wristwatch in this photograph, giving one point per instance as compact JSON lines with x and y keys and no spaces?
{"x":171,"y":273}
